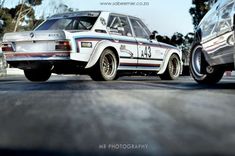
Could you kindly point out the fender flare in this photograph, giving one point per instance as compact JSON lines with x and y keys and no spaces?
{"x":167,"y":58}
{"x":99,"y":48}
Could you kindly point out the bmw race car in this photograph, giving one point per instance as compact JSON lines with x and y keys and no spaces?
{"x":101,"y":44}
{"x":213,"y":51}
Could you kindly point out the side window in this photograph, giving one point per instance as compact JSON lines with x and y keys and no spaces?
{"x":225,"y":22}
{"x":209,"y":24}
{"x":113,"y":22}
{"x":61,"y":24}
{"x":119,"y":26}
{"x":223,"y":3}
{"x":145,"y":28}
{"x":140,"y":29}
{"x":126,"y":26}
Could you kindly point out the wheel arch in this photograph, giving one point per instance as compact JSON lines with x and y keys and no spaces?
{"x":204,"y":60}
{"x":100,"y":47}
{"x":202,"y":76}
{"x":115,"y":52}
{"x":178,"y":53}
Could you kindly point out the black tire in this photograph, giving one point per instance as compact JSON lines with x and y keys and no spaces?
{"x":212,"y":75}
{"x":117,"y":77}
{"x":37,"y":75}
{"x":173,"y":69}
{"x":106,"y":67}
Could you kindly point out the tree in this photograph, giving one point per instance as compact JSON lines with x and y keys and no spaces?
{"x":2,"y":3}
{"x":6,"y":17}
{"x":62,"y":8}
{"x":164,"y":39}
{"x":198,"y":11}
{"x":1,"y":23}
{"x":24,"y":13}
{"x":21,"y":17}
{"x":177,"y":39}
{"x":185,"y":47}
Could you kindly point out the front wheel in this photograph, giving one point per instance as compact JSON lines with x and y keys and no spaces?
{"x":37,"y":75}
{"x":210,"y":75}
{"x":106,"y":67}
{"x":172,"y":71}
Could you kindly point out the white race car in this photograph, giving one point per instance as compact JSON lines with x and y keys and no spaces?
{"x":101,"y":44}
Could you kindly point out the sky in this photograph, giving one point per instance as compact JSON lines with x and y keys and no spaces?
{"x":165,"y":16}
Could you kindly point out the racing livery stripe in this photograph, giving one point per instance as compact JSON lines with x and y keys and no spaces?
{"x":109,"y":39}
{"x":118,"y":40}
{"x":140,"y":58}
{"x":139,"y":64}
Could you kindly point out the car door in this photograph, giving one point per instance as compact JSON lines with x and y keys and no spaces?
{"x":120,"y":31}
{"x":150,"y":54}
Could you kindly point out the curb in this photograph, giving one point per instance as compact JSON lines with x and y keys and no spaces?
{"x":14,"y":71}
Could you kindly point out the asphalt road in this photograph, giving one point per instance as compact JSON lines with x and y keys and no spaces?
{"x":72,"y":115}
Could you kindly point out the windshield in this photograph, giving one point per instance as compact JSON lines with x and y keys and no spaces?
{"x":72,"y":23}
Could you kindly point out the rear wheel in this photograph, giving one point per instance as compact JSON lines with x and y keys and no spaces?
{"x":211,"y":74}
{"x":37,"y":75}
{"x":106,"y":67}
{"x":173,"y":68}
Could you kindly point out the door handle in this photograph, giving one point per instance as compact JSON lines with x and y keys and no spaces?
{"x":117,"y":41}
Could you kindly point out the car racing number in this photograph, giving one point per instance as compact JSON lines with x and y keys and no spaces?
{"x":146,"y":52}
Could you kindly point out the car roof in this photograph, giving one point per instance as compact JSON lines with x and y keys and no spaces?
{"x":74,"y":14}
{"x":91,"y":13}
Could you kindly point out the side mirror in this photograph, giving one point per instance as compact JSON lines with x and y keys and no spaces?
{"x":153,"y":36}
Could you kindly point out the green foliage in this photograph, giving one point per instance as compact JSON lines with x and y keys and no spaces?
{"x":24,"y":16}
{"x":198,"y":11}
{"x":8,"y":26}
{"x":20,"y":18}
{"x":177,"y":39}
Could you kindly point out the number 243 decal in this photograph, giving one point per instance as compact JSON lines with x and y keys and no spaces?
{"x":146,"y":52}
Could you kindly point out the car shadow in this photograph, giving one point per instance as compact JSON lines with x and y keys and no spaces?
{"x":126,"y":83}
{"x":42,"y":152}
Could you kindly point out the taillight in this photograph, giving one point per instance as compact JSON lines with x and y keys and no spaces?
{"x":7,"y":47}
{"x":63,"y":46}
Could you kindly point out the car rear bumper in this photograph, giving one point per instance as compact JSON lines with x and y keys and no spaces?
{"x":36,"y":56}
